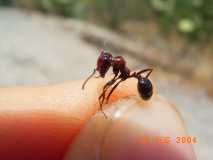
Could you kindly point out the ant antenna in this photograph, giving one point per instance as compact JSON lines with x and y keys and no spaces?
{"x":88,"y":78}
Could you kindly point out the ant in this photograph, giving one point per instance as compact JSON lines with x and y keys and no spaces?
{"x":121,"y":73}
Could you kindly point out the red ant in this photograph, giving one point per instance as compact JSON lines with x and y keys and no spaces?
{"x":105,"y":61}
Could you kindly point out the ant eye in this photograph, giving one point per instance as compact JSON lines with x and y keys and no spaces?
{"x":145,"y":88}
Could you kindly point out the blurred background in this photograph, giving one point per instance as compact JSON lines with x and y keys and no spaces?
{"x":52,"y":41}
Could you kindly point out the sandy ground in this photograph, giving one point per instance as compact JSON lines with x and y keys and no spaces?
{"x":38,"y":50}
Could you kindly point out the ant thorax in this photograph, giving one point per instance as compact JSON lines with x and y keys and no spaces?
{"x":118,"y":64}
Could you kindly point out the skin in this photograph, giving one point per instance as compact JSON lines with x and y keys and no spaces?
{"x":49,"y":122}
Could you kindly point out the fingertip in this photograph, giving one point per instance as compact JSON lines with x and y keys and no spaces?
{"x":121,"y":135}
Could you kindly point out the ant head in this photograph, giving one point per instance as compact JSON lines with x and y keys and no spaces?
{"x":145,"y":88}
{"x":103,"y":63}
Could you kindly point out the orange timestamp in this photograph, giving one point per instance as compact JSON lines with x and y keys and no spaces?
{"x":168,"y":140}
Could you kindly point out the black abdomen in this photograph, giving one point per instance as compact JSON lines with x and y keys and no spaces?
{"x":145,"y":88}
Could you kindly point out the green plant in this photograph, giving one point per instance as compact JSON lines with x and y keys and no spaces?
{"x":191,"y":18}
{"x":5,"y":2}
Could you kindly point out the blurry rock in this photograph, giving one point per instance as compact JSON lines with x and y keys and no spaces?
{"x":204,"y":70}
{"x":210,"y":89}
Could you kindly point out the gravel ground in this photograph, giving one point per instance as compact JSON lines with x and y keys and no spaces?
{"x":38,"y":50}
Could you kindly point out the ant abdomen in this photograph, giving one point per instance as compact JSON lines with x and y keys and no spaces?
{"x":145,"y":88}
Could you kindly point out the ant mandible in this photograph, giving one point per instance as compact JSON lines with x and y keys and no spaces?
{"x":121,"y":73}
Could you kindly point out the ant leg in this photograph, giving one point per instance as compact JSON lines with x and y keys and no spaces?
{"x":102,"y":97}
{"x":136,"y":74}
{"x":105,"y":88}
{"x":114,"y":87}
{"x":107,"y":85}
{"x":88,"y":79}
{"x":101,"y":104}
{"x":145,"y":70}
{"x":149,"y":73}
{"x":104,"y":114}
{"x":111,"y":82}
